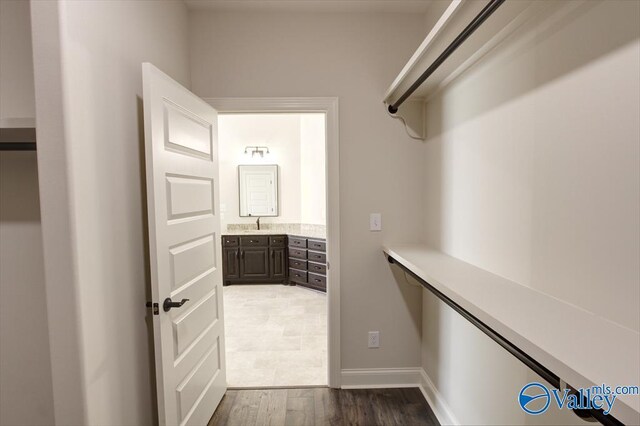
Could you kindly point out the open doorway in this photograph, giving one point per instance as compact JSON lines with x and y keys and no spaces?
{"x":273,"y":209}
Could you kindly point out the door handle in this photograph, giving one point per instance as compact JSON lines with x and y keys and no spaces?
{"x":168,"y":304}
{"x":273,"y":254}
{"x":242,"y":254}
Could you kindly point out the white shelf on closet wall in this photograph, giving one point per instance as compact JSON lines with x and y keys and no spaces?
{"x":580,"y":347}
{"x":460,"y":13}
{"x":17,"y":134}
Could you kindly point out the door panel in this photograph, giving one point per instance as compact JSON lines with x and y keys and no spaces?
{"x":188,"y":260}
{"x":188,"y":197}
{"x":254,"y":263}
{"x":184,"y":228}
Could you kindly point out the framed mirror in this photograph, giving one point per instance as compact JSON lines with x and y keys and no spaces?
{"x":258,"y":186}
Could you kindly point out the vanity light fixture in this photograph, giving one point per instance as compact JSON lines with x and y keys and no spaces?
{"x":256,"y":150}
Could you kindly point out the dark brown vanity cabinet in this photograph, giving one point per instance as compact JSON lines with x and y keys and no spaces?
{"x":308,"y":262}
{"x":254,"y":259}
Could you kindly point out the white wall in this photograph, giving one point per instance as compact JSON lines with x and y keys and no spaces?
{"x":17,"y":101}
{"x":90,"y":126}
{"x":26,"y":395}
{"x":351,"y":56}
{"x":533,"y":174}
{"x":313,"y":200}
{"x":281,"y":133}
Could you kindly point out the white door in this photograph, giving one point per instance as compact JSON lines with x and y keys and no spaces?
{"x":259,"y":194}
{"x":184,"y":231}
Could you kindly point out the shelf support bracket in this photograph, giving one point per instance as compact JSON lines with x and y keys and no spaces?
{"x":411,"y":114}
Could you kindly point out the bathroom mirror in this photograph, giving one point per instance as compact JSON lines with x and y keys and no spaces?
{"x":258,"y":190}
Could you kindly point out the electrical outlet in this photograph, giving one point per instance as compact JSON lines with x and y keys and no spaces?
{"x":375,"y":222}
{"x":374,"y":339}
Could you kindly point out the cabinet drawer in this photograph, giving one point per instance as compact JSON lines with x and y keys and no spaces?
{"x":298,"y":264}
{"x":317,"y":268}
{"x":277,"y":241}
{"x":254,"y":241}
{"x":298,"y":242}
{"x":297,"y":253}
{"x":297,"y":276}
{"x":317,"y":256}
{"x":317,"y":280}
{"x":230,"y":241}
{"x":317,"y":245}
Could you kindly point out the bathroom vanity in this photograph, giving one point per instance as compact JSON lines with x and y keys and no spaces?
{"x":285,"y":253}
{"x":274,"y":258}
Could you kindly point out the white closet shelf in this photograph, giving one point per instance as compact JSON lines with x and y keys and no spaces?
{"x":580,"y":347}
{"x":18,"y":134}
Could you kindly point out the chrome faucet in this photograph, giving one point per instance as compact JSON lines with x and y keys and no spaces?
{"x":258,"y":223}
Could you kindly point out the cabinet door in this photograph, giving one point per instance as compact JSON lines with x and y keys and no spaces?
{"x":231,"y":263}
{"x":278,"y":263}
{"x":254,"y":263}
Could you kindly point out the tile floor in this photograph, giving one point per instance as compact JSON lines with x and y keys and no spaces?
{"x":276,"y":335}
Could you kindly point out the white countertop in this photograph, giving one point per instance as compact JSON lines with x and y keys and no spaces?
{"x":301,"y":230}
{"x":582,"y":348}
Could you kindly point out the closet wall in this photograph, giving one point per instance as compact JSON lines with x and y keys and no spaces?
{"x":90,"y":153}
{"x":351,"y":56}
{"x":24,"y":339}
{"x":532,"y":172}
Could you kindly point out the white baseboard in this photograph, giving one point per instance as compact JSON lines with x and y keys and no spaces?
{"x":435,"y":400}
{"x":362,"y":378}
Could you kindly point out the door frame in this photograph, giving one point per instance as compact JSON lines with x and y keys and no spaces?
{"x":328,"y":106}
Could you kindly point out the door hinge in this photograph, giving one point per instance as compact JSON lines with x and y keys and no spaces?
{"x":155,"y":306}
{"x":328,"y":266}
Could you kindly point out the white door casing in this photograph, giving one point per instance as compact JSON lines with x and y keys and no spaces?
{"x":184,"y":229}
{"x":328,"y":106}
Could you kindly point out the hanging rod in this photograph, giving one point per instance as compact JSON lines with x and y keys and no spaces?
{"x":17,"y":146}
{"x":469,"y":29}
{"x":541,"y":370}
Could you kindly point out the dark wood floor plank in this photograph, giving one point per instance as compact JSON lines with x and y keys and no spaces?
{"x":272,"y":410}
{"x":222,"y":412}
{"x":300,"y":410}
{"x":245,"y":408}
{"x":324,"y":407}
{"x":327,"y":407}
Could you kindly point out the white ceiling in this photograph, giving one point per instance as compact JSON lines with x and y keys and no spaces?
{"x":386,"y":6}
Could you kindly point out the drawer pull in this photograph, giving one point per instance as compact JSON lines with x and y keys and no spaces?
{"x":317,"y":280}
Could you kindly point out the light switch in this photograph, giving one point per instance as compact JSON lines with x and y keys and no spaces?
{"x":375,"y":222}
